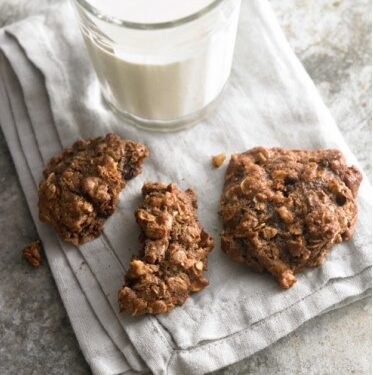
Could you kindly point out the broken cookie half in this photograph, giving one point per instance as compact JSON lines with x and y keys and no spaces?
{"x":81,"y":185}
{"x":284,"y":209}
{"x":174,"y":254}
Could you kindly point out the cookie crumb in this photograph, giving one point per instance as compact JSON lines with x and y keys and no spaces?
{"x":218,"y":160}
{"x":32,"y":253}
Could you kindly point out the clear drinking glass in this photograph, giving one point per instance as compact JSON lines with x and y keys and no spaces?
{"x":162,"y":76}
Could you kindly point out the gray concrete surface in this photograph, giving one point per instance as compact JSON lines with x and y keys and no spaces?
{"x":333,"y":40}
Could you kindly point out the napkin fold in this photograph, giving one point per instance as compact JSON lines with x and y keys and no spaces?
{"x":49,"y":97}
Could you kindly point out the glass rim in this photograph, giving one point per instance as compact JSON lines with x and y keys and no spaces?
{"x":147,"y":26}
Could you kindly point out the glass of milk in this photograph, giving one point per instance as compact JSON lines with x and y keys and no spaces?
{"x":161,"y":63}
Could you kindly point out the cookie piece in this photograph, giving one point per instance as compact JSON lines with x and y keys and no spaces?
{"x":174,"y":254}
{"x":284,"y":209}
{"x":32,"y":253}
{"x":81,"y":185}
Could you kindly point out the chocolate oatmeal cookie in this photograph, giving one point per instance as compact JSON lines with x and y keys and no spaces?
{"x":174,"y":254}
{"x":284,"y":209}
{"x":81,"y":185}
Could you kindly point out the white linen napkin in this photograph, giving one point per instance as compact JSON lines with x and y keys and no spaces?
{"x":49,"y":97}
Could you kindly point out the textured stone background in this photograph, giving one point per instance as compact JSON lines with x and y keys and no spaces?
{"x":333,"y":40}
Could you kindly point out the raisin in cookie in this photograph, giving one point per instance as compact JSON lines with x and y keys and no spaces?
{"x":284,"y":209}
{"x":174,"y":254}
{"x":81,"y":185}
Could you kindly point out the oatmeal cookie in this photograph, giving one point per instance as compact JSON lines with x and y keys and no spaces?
{"x":32,"y":253}
{"x":81,"y":185}
{"x":174,"y":254}
{"x":284,"y":209}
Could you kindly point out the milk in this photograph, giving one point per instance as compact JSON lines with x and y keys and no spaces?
{"x":163,"y":74}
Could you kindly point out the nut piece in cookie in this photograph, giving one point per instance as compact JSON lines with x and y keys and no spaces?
{"x":284,"y":209}
{"x":174,"y":256}
{"x":81,"y":185}
{"x":32,"y":253}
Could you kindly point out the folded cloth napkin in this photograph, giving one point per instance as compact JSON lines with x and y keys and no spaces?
{"x":49,"y":97}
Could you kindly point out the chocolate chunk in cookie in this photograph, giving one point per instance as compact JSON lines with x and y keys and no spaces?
{"x":81,"y":185}
{"x":284,"y":209}
{"x":32,"y":253}
{"x":174,"y":255}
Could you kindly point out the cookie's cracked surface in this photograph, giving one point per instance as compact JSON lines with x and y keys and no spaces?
{"x":174,"y":255}
{"x":284,"y":209}
{"x":81,"y":185}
